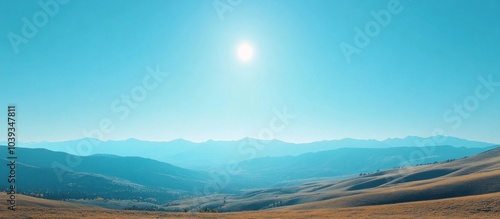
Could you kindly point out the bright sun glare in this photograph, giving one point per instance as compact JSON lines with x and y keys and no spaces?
{"x":245,"y":52}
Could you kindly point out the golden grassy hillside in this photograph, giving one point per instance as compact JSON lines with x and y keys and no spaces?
{"x":480,"y":206}
{"x":474,"y":175}
{"x":466,"y":188}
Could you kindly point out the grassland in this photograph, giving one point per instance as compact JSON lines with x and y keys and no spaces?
{"x":465,"y":188}
{"x":480,"y":206}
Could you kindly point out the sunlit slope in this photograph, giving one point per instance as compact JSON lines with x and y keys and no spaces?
{"x":475,"y":175}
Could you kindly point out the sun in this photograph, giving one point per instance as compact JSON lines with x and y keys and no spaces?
{"x":245,"y":52}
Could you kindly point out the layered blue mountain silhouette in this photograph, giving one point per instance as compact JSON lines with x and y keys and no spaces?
{"x":110,"y":172}
{"x":212,"y":153}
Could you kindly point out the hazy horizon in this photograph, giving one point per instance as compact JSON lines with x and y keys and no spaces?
{"x":233,"y":140}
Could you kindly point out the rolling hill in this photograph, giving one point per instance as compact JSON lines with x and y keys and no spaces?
{"x":348,"y":162}
{"x":41,"y":171}
{"x":476,"y":206}
{"x":474,"y":175}
{"x":163,"y":185}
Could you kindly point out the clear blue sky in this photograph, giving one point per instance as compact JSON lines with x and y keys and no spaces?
{"x":429,"y":57}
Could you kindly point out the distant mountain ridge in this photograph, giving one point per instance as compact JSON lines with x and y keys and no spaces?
{"x":188,"y":154}
{"x":437,"y":140}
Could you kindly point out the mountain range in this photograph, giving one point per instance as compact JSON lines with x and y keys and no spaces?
{"x":209,"y":154}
